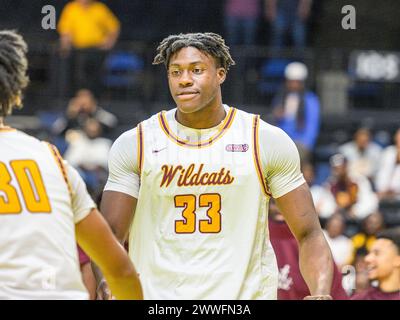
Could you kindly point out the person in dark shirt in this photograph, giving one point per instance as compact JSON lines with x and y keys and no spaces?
{"x":383,"y":261}
{"x":291,"y":285}
{"x":82,"y":107}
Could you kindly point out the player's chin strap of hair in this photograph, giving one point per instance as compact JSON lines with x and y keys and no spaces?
{"x":319,"y":297}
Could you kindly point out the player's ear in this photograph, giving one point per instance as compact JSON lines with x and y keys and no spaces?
{"x":221,"y":73}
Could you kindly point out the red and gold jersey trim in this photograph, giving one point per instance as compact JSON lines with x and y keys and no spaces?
{"x":60,"y":163}
{"x":184,"y":143}
{"x":140,"y":148}
{"x":256,"y":156}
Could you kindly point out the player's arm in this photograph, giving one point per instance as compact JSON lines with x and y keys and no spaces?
{"x":315,"y":259}
{"x":118,"y":209}
{"x":294,"y":200}
{"x":119,"y":199}
{"x":96,"y":238}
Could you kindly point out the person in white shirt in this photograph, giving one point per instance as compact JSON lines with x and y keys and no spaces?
{"x":324,"y":202}
{"x":353,"y":193}
{"x":87,"y":149}
{"x":362,"y":154}
{"x":341,"y":246}
{"x":387,"y":180}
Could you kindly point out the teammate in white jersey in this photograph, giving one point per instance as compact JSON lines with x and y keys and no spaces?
{"x":45,"y":209}
{"x":191,"y":188}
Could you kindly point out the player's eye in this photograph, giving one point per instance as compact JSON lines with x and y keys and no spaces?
{"x":197,"y":70}
{"x":175,"y":73}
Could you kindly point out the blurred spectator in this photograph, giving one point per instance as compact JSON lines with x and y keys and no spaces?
{"x":288,"y":16}
{"x":353,"y":193}
{"x":296,"y":109}
{"x":341,"y":246}
{"x":291,"y":285}
{"x":383,"y":263}
{"x":324,"y":202}
{"x":388,"y":177}
{"x":88,"y":277}
{"x":363,"y":154}
{"x":80,"y":108}
{"x":88,"y":152}
{"x":241,"y":21}
{"x":89,"y":143}
{"x":87,"y":29}
{"x":370,"y":226}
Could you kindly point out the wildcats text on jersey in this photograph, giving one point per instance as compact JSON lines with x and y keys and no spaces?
{"x":187,"y":177}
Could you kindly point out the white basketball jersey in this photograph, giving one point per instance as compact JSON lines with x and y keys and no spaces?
{"x":200,"y":226}
{"x":38,"y":253}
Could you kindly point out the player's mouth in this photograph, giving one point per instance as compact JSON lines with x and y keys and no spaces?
{"x":187,"y":95}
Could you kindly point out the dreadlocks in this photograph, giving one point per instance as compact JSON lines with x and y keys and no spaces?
{"x":210,"y":43}
{"x":13,"y":66}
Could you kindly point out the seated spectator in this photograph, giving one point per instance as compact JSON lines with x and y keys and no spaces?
{"x":387,"y":180}
{"x":383,"y":261}
{"x":363,"y":154}
{"x":297,"y":110}
{"x":370,"y":226}
{"x":88,"y":29}
{"x":80,"y":108}
{"x":353,"y":193}
{"x":341,"y":246}
{"x":291,"y":285}
{"x":324,"y":202}
{"x":88,"y":152}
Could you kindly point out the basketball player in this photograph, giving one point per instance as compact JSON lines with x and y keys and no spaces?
{"x":43,"y":203}
{"x":191,"y":186}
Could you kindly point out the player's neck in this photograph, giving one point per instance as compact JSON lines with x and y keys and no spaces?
{"x":391,"y":283}
{"x":208,"y":117}
{"x":1,"y":123}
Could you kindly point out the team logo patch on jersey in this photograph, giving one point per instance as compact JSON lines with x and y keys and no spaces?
{"x":237,"y":147}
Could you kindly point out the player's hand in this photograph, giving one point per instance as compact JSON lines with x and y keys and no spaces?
{"x":103,"y":292}
{"x":319,"y":297}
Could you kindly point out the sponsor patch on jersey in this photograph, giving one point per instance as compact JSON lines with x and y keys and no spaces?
{"x":237,"y":147}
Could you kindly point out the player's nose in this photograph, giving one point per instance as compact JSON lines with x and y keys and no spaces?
{"x":185,"y":80}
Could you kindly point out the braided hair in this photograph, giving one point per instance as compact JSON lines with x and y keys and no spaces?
{"x":13,"y":67}
{"x":209,"y":43}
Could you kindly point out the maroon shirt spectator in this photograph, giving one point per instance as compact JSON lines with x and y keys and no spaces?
{"x":376,"y":294}
{"x":383,"y":263}
{"x":291,"y":283}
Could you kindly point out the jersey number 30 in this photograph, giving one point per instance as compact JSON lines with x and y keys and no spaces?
{"x":30,"y":183}
{"x":188,"y":201}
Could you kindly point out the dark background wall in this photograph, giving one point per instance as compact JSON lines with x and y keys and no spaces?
{"x":378,"y":23}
